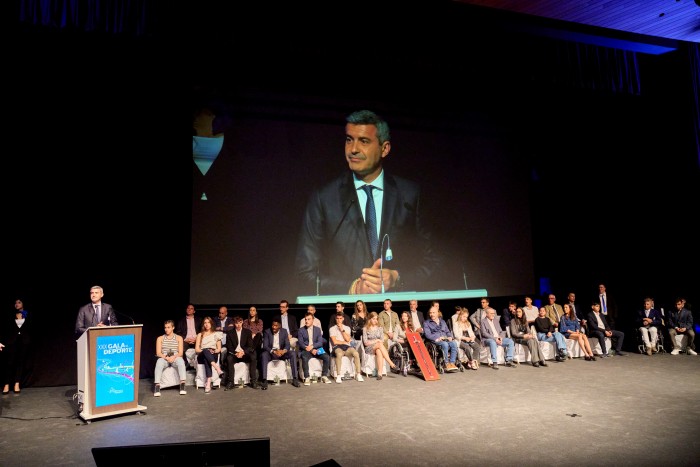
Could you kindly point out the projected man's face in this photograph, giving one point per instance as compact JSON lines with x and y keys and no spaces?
{"x":363,"y":151}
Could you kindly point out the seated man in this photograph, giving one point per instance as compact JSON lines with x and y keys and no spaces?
{"x":311,"y":346}
{"x":436,"y":331}
{"x":223,"y":323}
{"x":599,"y":327}
{"x":680,"y":321}
{"x":276,"y":346}
{"x":493,"y":336}
{"x":343,"y":346}
{"x":241,"y":349}
{"x":339,"y":309}
{"x":648,"y":323}
{"x":547,"y":333}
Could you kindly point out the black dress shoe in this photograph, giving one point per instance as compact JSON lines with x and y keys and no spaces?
{"x":535,"y":364}
{"x":295,"y":383}
{"x":263,"y":386}
{"x":620,"y":353}
{"x":254,"y":385}
{"x":229,"y":386}
{"x":543,"y":363}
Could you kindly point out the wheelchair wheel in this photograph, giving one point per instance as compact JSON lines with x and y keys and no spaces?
{"x":397,"y":357}
{"x":436,"y":356}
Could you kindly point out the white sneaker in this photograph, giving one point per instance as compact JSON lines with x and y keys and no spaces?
{"x":307,"y":381}
{"x":359,"y":378}
{"x":338,"y":379}
{"x":182,"y":389}
{"x":156,"y":390}
{"x":691,"y":352}
{"x":326,"y":380}
{"x":675,"y":352}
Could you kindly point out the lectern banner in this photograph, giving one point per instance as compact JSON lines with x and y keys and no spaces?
{"x":114,"y":369}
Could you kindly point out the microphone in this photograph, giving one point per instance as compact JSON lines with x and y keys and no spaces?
{"x":388,"y":256}
{"x":124,"y":315}
{"x":318,"y":282}
{"x":345,"y":214}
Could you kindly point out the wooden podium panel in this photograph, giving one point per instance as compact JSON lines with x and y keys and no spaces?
{"x":109,"y":362}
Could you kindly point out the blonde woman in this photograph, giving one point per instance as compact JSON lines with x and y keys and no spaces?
{"x":464,"y":334}
{"x":373,"y":340}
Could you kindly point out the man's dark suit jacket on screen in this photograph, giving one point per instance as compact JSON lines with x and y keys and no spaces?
{"x":333,"y":242}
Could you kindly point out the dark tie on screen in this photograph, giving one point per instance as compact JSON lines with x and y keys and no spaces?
{"x":371,"y":221}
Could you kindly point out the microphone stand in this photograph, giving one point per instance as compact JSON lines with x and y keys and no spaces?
{"x":318,"y":283}
{"x":381,"y":257}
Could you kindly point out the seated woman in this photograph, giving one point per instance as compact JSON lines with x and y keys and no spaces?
{"x":373,"y":340}
{"x":464,"y":335}
{"x":169,"y":348}
{"x":570,"y":327}
{"x":208,"y":346}
{"x":405,"y":325}
{"x":520,"y":332}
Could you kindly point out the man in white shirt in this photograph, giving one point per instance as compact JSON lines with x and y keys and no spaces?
{"x":342,"y":341}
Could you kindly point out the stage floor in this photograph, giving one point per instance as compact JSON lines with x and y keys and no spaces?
{"x":634,"y":410}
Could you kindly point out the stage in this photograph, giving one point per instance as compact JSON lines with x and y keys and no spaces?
{"x":634,"y":410}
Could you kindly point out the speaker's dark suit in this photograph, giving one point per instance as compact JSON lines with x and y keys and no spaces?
{"x":333,"y":242}
{"x":87,"y":317}
{"x":248,"y":347}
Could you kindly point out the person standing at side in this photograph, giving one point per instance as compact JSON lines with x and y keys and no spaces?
{"x":17,"y":352}
{"x":95,"y":313}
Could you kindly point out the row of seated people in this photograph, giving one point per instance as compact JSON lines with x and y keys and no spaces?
{"x":455,"y":339}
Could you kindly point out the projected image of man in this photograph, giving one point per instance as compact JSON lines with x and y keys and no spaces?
{"x":341,"y":242}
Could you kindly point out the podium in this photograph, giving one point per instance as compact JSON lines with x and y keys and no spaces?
{"x":394,"y":296}
{"x":109,"y":361}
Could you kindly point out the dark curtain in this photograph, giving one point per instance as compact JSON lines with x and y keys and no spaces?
{"x":130,"y":17}
{"x":694,"y":60}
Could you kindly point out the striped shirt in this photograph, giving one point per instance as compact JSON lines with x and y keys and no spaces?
{"x":169,"y":344}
